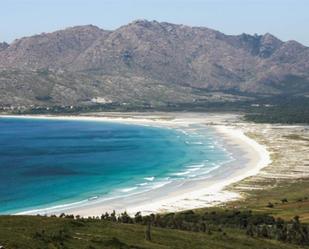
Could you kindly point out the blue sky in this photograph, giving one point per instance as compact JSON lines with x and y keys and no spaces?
{"x":287,"y":19}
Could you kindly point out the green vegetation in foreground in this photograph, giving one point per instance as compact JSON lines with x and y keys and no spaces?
{"x":252,"y":225}
{"x":286,"y":200}
{"x":51,"y":232}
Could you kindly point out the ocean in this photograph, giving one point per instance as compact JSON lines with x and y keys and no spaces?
{"x":46,"y":163}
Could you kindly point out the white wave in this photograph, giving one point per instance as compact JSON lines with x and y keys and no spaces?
{"x":160,"y":184}
{"x":55,"y":208}
{"x":193,"y":169}
{"x":142,"y":184}
{"x":199,"y":143}
{"x":93,"y":198}
{"x":149,"y":178}
{"x":194,"y":166}
{"x":209,"y":170}
{"x":125,"y":190}
{"x":181,"y":173}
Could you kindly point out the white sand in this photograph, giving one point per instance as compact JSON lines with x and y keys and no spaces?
{"x":250,"y":158}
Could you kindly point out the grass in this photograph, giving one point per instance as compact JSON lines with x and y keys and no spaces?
{"x":48,"y":232}
{"x":296,"y":193}
{"x":296,"y":137}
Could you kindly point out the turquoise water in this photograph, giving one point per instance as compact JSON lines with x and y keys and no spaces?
{"x":45,"y":163}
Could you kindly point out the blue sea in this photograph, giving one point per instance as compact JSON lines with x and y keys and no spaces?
{"x":45,"y":163}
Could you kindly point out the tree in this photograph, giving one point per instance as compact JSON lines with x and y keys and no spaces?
{"x":113,"y":216}
{"x":157,"y":220}
{"x":203,"y":227}
{"x":105,"y":216}
{"x":125,"y":218}
{"x":148,"y":230}
{"x":264,"y":231}
{"x":270,"y":205}
{"x":250,"y":231}
{"x":138,"y":218}
{"x":284,"y":200}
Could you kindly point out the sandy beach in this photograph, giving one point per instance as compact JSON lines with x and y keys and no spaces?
{"x":249,"y":158}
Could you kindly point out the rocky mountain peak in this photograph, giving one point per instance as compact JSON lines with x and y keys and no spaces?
{"x":269,"y":38}
{"x":268,"y":45}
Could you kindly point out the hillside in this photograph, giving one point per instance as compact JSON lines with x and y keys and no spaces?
{"x":148,"y":63}
{"x":41,"y":232}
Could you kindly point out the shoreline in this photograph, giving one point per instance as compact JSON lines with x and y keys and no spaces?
{"x":250,"y":158}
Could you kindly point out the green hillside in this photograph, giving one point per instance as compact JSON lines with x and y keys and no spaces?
{"x":41,"y":232}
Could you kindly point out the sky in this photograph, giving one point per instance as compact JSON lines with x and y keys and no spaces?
{"x":286,"y":19}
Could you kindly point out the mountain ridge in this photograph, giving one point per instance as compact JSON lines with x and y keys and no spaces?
{"x":148,"y":54}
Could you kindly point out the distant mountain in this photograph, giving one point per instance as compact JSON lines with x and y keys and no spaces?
{"x":53,"y":50}
{"x":148,"y":62}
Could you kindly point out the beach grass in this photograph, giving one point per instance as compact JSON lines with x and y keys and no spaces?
{"x":288,"y":198}
{"x":48,"y":232}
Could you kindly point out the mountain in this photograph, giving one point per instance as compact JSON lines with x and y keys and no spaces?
{"x":53,"y":50}
{"x":3,"y":46}
{"x":148,"y":62}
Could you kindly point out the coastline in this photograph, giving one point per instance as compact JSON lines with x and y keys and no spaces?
{"x":250,"y":158}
